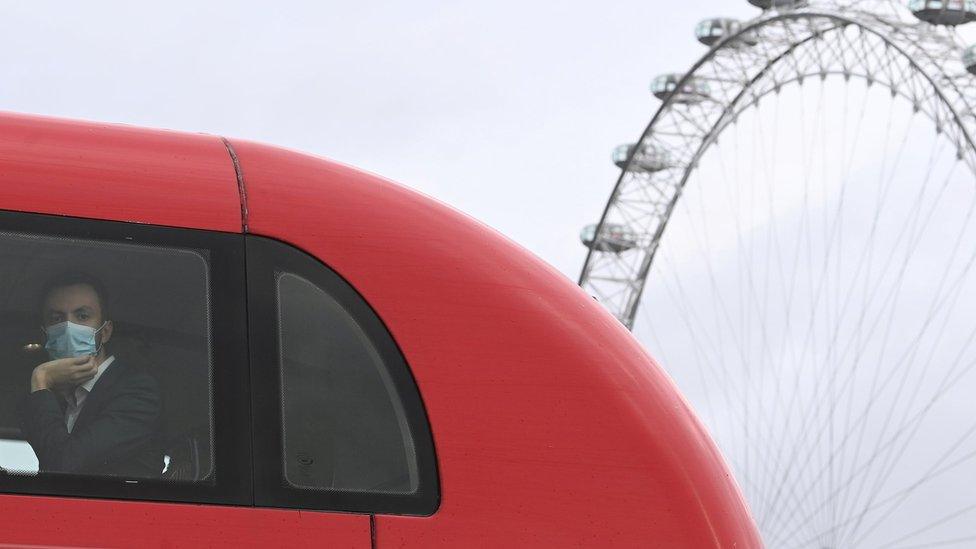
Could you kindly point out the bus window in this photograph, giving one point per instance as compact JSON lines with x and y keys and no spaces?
{"x":107,"y":352}
{"x":339,"y":424}
{"x":342,"y":425}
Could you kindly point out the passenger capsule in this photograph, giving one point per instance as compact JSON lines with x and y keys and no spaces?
{"x":649,"y":159}
{"x":778,"y":4}
{"x":944,"y":12}
{"x":713,"y":31}
{"x":693,"y":91}
{"x":614,"y":238}
{"x":969,"y":59}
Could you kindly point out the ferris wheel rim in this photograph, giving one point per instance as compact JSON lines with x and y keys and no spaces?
{"x":864,"y":21}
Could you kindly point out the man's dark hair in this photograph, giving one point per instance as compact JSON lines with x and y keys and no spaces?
{"x":74,"y":278}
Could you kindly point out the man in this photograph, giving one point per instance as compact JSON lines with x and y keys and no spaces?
{"x":88,"y":413}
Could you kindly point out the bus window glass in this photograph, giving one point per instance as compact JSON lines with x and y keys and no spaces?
{"x":344,"y":426}
{"x":107,"y":360}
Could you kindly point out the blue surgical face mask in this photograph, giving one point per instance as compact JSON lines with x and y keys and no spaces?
{"x":67,"y":339}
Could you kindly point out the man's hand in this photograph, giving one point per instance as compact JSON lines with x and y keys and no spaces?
{"x":63,"y":373}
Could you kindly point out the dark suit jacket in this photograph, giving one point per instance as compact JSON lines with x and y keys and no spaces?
{"x":115,"y":434}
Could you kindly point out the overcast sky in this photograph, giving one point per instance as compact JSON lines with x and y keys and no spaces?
{"x":506,"y":110}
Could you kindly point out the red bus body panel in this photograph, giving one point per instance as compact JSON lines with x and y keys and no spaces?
{"x":115,"y":172}
{"x":552,"y":425}
{"x":32,"y":521}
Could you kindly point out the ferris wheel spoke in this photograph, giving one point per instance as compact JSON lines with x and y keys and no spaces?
{"x":933,"y":473}
{"x":937,"y":469}
{"x":704,"y":249}
{"x":911,"y":356}
{"x":824,"y":278}
{"x":837,"y":460}
{"x":675,"y":291}
{"x":830,"y":236}
{"x":872,"y":397}
{"x":901,"y":364}
{"x":840,"y":306}
{"x":766,"y":361}
{"x":860,"y":341}
{"x":930,"y":526}
{"x":905,"y":421}
{"x":778,"y":440}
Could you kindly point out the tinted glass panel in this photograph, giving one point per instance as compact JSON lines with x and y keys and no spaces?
{"x":107,"y":352}
{"x":344,"y":426}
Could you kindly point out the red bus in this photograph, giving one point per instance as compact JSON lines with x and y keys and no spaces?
{"x":214,"y":342}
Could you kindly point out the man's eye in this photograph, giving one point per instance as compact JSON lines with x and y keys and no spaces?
{"x":82,"y":316}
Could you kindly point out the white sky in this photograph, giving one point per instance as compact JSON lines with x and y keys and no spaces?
{"x":506,"y":110}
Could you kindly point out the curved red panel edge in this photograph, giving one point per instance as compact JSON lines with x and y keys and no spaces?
{"x":552,"y":424}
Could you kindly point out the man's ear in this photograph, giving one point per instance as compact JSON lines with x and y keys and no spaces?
{"x":106,"y":332}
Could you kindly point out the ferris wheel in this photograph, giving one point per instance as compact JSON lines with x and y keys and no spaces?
{"x":793,"y":237}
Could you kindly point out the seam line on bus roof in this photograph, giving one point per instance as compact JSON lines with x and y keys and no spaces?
{"x":241,"y":187}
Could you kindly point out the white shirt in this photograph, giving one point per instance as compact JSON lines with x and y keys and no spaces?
{"x":81,"y":394}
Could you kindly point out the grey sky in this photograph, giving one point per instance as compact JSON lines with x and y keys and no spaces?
{"x":505,"y":110}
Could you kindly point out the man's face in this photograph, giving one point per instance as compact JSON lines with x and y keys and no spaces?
{"x":77,"y":303}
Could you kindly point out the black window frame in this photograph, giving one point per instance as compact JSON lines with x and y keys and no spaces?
{"x":232,"y":474}
{"x":266,"y":259}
